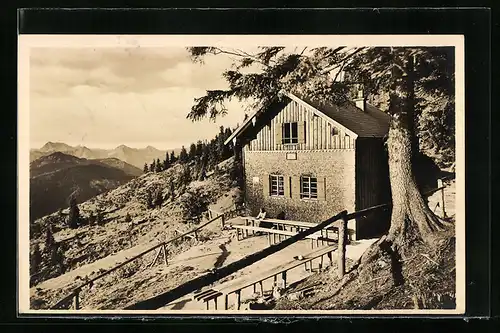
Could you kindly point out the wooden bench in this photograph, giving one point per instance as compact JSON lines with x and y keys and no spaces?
{"x":239,"y":284}
{"x":243,"y":230}
{"x":206,"y":296}
{"x":296,"y":226}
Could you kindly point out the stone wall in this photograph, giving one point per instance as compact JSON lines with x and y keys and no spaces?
{"x":335,"y":167}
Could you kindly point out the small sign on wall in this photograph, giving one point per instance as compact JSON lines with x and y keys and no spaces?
{"x":255,"y":180}
{"x":291,"y":156}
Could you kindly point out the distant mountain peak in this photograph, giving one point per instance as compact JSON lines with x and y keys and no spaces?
{"x":53,"y":146}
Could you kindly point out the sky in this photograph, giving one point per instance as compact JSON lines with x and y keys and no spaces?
{"x":105,"y":97}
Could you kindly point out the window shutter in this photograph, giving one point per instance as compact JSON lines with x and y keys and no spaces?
{"x":265,"y":185}
{"x":302,"y":131}
{"x":279,"y":134}
{"x":295,"y":187}
{"x":321,"y":189}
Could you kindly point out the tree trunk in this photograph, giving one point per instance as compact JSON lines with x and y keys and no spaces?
{"x":411,"y":220}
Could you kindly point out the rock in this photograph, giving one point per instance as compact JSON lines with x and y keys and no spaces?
{"x":382,"y":264}
{"x":295,"y":296}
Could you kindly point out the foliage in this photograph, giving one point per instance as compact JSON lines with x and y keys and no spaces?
{"x":159,"y":166}
{"x":194,"y":202}
{"x":49,"y":238}
{"x":74,"y":213}
{"x":36,"y":259}
{"x":183,"y":156}
{"x":128,"y":218}
{"x":260,"y":77}
{"x":146,"y":168}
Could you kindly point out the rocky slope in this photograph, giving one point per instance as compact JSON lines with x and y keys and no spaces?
{"x":90,"y":243}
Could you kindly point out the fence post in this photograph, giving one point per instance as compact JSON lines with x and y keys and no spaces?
{"x":342,"y":244}
{"x":440,"y":184}
{"x":238,"y":299}
{"x":283,"y":277}
{"x":76,"y":300}
{"x":165,"y":255}
{"x":222,"y":221}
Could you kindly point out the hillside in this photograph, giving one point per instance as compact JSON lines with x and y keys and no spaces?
{"x":134,"y":156}
{"x":54,"y":177}
{"x":148,"y":225}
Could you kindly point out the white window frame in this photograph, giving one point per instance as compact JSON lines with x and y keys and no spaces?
{"x":276,"y":185}
{"x":307,"y":183}
{"x":291,"y":140}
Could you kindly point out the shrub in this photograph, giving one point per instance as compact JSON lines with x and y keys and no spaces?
{"x":128,"y":218}
{"x":194,"y":202}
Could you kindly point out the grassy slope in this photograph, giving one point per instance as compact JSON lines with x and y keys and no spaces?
{"x":88,"y":244}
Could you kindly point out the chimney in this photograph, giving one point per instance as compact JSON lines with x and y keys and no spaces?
{"x":360,"y":99}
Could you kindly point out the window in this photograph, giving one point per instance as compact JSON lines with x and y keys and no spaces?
{"x":290,"y":133}
{"x":277,"y":185}
{"x":308,"y":187}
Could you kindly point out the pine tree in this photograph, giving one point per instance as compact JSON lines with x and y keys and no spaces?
{"x":183,"y":156}
{"x":152,"y":168}
{"x":74,"y":213}
{"x":166,"y":162}
{"x":192,"y":152}
{"x":128,"y":218}
{"x":199,"y":148}
{"x":158,"y":166}
{"x":203,"y":173}
{"x":146,"y":169}
{"x":149,"y":200}
{"x":36,"y":259}
{"x":173,"y":159}
{"x":159,"y":199}
{"x":49,"y":238}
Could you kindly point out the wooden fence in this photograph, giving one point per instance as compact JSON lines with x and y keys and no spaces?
{"x":74,"y":295}
{"x":340,"y":221}
{"x":158,"y":301}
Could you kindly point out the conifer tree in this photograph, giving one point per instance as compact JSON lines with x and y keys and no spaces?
{"x":183,"y":156}
{"x":149,"y":200}
{"x":158,"y":167}
{"x":415,"y":84}
{"x":173,"y":159}
{"x":36,"y":259}
{"x":74,"y":213}
{"x":159,"y":199}
{"x":146,"y":169}
{"x":192,"y":152}
{"x":49,"y":238}
{"x":166,"y":162}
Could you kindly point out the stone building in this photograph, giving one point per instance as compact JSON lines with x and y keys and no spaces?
{"x":307,"y":161}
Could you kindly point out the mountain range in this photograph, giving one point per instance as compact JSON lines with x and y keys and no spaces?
{"x":57,"y":176}
{"x":134,"y":156}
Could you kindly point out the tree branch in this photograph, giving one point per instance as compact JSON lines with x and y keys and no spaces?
{"x":342,"y":61}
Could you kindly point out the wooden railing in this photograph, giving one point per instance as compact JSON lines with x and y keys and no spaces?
{"x":340,"y":221}
{"x":74,"y":295}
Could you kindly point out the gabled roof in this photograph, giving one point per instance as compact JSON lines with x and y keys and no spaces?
{"x":371,"y":122}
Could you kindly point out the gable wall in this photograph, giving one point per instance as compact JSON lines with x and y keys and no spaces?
{"x":318,"y":132}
